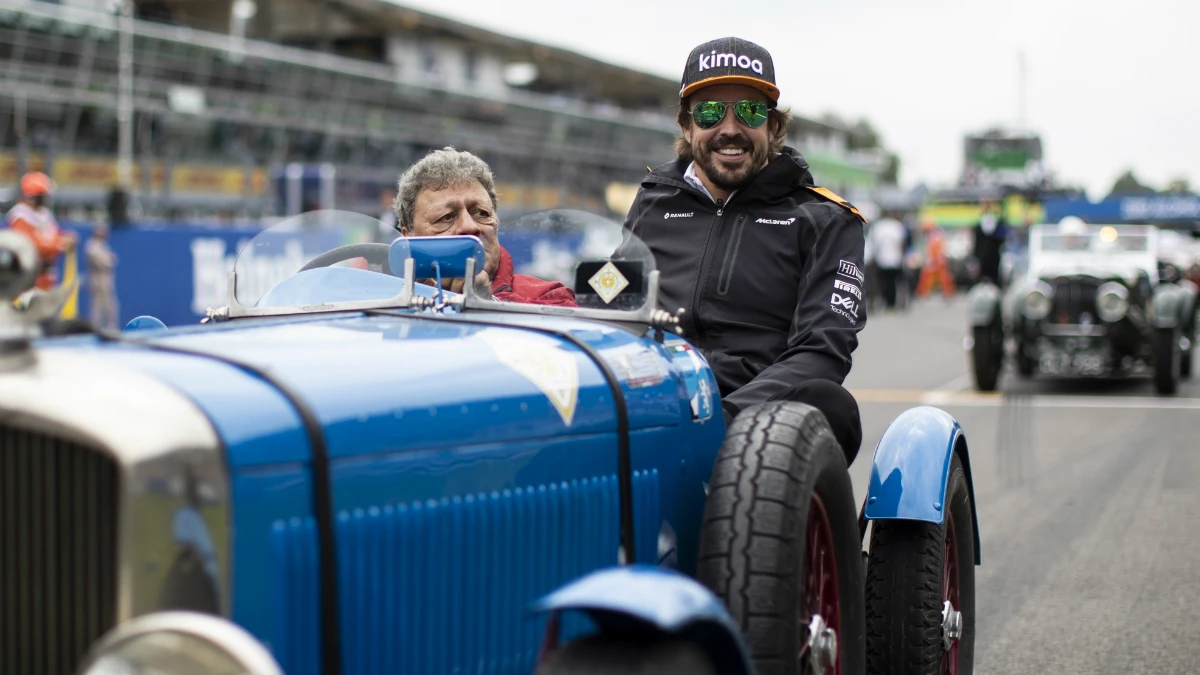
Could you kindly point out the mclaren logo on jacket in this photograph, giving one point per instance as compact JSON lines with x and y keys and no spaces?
{"x":773,"y":221}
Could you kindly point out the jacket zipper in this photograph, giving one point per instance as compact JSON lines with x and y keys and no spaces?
{"x":704,"y":266}
{"x":731,"y":256}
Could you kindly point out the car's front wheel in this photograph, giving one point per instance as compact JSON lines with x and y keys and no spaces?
{"x":1166,"y":360}
{"x":987,"y":356}
{"x":921,"y":590}
{"x":780,"y":543}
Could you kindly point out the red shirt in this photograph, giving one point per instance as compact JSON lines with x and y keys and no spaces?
{"x":512,"y":287}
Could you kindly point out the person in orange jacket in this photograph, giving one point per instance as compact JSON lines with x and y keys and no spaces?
{"x":936,"y":268}
{"x":32,"y":217}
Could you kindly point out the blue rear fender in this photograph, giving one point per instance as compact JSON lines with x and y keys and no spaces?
{"x":911,"y":465}
{"x":648,"y":598}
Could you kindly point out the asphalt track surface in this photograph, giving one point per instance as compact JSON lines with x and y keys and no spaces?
{"x":1088,"y":496}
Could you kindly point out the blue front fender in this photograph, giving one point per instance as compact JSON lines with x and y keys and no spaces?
{"x":911,"y":465}
{"x":654,"y":598}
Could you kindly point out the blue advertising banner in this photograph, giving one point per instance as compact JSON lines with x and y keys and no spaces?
{"x":175,"y":273}
{"x":1146,"y":209}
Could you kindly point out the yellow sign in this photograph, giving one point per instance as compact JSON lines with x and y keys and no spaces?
{"x":608,"y":282}
{"x":70,"y":310}
{"x":97,"y":173}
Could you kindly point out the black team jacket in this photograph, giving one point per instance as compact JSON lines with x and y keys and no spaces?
{"x":771,"y":281}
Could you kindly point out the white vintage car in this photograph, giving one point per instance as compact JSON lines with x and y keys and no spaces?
{"x":1091,"y":302}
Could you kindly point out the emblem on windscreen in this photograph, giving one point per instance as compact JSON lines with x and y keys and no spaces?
{"x":608,"y":282}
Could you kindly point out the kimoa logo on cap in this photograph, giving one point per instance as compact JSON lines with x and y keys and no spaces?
{"x":715,"y":60}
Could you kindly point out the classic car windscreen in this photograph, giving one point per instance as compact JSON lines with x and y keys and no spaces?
{"x":1105,"y":239}
{"x":282,"y":250}
{"x":310,"y":260}
{"x":606,"y":266}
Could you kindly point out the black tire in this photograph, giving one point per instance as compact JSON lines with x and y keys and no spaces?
{"x":905,"y":574}
{"x":1185,"y":359}
{"x":610,"y":655}
{"x":1166,"y":360}
{"x":775,"y":458}
{"x":1026,"y":365}
{"x":987,"y":356}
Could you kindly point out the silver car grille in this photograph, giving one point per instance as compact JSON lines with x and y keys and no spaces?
{"x":58,"y":551}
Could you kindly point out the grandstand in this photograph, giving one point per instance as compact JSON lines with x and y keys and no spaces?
{"x":307,"y":103}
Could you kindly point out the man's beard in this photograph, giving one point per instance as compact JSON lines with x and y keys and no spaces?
{"x":721,"y":176}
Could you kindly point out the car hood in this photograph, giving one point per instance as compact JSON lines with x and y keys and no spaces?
{"x":386,"y":384}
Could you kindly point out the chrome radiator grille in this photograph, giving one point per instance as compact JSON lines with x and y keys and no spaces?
{"x":58,"y":551}
{"x":1072,"y":299}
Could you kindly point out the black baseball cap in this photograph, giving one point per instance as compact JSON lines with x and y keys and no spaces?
{"x":730,"y":60}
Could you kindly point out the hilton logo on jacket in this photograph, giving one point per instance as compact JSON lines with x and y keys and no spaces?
{"x":849,"y":269}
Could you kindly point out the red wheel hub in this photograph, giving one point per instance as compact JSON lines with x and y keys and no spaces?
{"x":950,"y":589}
{"x":820,"y":581}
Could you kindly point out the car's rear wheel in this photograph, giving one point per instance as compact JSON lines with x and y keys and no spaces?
{"x":619,"y":655}
{"x":921,"y":590}
{"x":1185,"y":358}
{"x":1166,"y":360}
{"x":780,"y":545}
{"x":987,"y":354}
{"x":1026,"y":365}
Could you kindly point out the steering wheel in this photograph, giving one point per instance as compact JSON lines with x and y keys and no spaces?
{"x":375,"y":253}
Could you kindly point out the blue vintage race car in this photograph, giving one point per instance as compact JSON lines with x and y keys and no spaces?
{"x":362,"y":472}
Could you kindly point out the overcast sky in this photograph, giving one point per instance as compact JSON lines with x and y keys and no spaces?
{"x":1109,"y":86}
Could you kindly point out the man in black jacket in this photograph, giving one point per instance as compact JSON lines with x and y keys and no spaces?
{"x":768,"y":266}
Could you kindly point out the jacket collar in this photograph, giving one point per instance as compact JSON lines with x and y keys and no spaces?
{"x":504,"y":273}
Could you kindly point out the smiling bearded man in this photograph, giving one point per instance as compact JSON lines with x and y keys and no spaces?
{"x":767,"y":265}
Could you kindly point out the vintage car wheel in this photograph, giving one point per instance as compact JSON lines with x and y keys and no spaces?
{"x":1185,"y":361}
{"x":612,"y":654}
{"x":1026,"y":366}
{"x":921,"y":590}
{"x":779,"y":542}
{"x":987,"y":356}
{"x":1166,"y":360}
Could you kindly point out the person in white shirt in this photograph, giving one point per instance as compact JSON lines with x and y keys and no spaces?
{"x":887,"y":238}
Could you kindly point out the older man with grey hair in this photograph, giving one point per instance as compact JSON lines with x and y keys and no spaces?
{"x":451,"y":192}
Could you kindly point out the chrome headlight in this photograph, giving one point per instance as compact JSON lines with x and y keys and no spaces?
{"x":180,"y":643}
{"x":1038,"y":302}
{"x":1112,"y":301}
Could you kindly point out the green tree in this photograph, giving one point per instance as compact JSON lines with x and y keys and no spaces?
{"x":863,"y":136}
{"x":1179,"y":186}
{"x":1128,"y":184}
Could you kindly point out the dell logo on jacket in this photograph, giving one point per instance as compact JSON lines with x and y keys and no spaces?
{"x":715,"y":60}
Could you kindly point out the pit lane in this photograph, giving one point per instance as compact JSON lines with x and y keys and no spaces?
{"x":1088,"y":495}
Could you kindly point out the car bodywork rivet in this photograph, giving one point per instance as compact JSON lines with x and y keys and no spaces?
{"x":937,"y":505}
{"x":872,"y":500}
